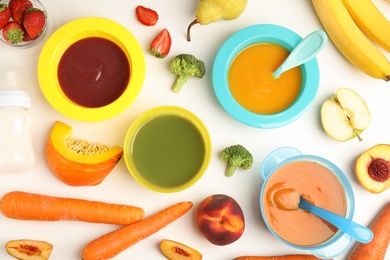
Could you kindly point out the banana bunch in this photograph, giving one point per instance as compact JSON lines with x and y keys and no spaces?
{"x":354,"y":26}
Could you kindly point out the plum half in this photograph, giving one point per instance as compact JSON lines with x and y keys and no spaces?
{"x":372,"y":168}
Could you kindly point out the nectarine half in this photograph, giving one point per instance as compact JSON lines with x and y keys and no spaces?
{"x":372,"y":168}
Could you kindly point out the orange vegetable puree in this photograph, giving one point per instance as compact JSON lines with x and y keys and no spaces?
{"x":252,"y":84}
{"x":318,"y":185}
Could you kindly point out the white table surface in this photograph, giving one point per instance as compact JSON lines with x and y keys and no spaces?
{"x":198,"y":96}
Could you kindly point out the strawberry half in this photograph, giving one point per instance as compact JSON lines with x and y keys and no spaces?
{"x":161,"y":45}
{"x":18,"y":7}
{"x":146,"y":15}
{"x":13,"y":32}
{"x":5,"y":15}
{"x":33,"y":22}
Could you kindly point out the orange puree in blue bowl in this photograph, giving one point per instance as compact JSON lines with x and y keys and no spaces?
{"x":254,"y":87}
{"x":318,"y":180}
{"x":243,"y":81}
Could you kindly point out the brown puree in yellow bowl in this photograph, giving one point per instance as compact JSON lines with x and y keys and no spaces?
{"x":93,"y":72}
{"x":318,"y":185}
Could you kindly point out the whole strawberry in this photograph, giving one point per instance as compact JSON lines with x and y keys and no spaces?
{"x":33,"y":22}
{"x":17,"y":8}
{"x":5,"y":15}
{"x":13,"y":32}
{"x":27,"y":37}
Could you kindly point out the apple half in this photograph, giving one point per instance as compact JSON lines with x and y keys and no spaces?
{"x":372,"y":168}
{"x":345,"y":115}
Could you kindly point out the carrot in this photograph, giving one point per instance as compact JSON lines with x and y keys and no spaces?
{"x":376,"y":249}
{"x":278,"y":257}
{"x":113,"y":243}
{"x":30,"y":206}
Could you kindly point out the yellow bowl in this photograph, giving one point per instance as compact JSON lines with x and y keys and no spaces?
{"x":73,"y":32}
{"x":167,"y":149}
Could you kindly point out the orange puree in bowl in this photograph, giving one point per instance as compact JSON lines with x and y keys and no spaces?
{"x":252,"y":84}
{"x":318,"y":185}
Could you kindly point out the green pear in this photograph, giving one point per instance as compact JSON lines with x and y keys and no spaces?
{"x":345,"y":115}
{"x":209,"y":11}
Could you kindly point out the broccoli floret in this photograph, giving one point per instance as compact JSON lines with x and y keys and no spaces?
{"x":185,"y":66}
{"x":237,"y":156}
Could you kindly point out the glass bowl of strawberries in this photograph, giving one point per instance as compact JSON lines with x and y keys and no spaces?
{"x":23,"y":23}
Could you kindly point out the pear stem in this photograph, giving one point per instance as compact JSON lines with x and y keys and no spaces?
{"x":189,"y":28}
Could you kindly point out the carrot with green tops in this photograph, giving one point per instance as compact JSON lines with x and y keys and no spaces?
{"x":376,"y":249}
{"x":115,"y":242}
{"x":279,"y":257}
{"x":31,"y":206}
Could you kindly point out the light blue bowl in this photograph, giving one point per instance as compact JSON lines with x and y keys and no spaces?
{"x":257,"y":34}
{"x":338,"y":243}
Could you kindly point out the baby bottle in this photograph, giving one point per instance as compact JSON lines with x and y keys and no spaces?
{"x":16,"y":151}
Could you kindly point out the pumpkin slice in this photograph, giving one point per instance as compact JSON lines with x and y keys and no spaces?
{"x":79,"y":162}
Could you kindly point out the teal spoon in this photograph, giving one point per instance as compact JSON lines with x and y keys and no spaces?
{"x":306,"y":49}
{"x":356,"y":231}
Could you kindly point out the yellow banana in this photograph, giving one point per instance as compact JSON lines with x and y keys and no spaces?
{"x":370,"y":20}
{"x":350,"y":40}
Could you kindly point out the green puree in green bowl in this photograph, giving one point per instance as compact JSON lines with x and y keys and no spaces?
{"x":168,"y":150}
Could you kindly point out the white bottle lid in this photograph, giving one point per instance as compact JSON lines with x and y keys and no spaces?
{"x":11,"y":80}
{"x":17,"y":98}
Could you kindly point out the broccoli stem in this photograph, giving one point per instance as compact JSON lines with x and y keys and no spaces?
{"x":230,"y":170}
{"x":179,"y":82}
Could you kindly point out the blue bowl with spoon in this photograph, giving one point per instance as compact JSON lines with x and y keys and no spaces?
{"x":322,"y":185}
{"x":258,"y":34}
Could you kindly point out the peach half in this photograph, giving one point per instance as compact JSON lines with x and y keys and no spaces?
{"x":29,"y":249}
{"x":174,"y":250}
{"x":372,"y":168}
{"x":78,"y":162}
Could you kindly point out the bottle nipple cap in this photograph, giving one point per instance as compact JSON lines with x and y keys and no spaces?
{"x":11,"y":80}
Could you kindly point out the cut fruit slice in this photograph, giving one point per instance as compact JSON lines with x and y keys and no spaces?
{"x":177,"y":251}
{"x":29,"y":249}
{"x":372,"y":168}
{"x":345,"y":115}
